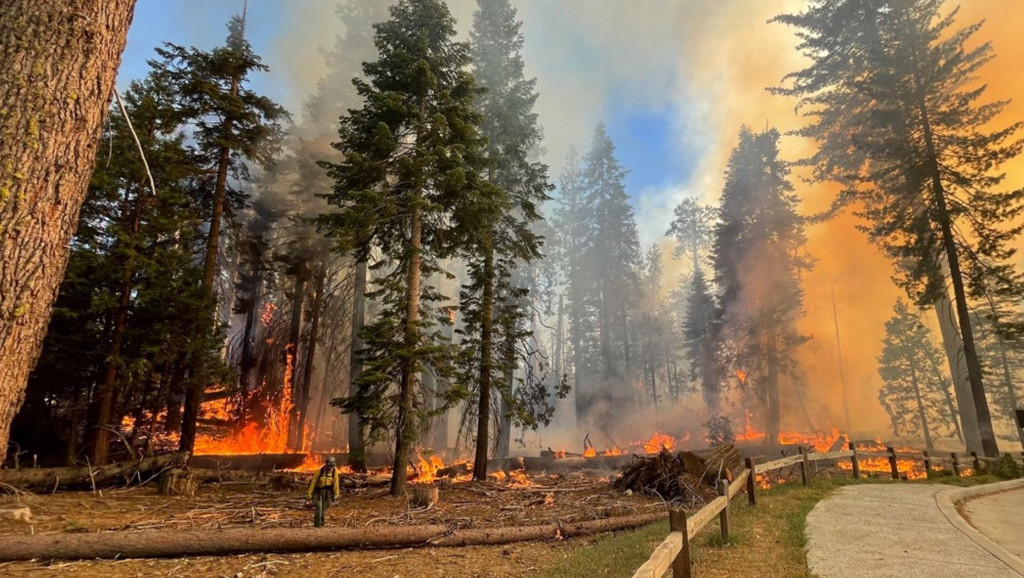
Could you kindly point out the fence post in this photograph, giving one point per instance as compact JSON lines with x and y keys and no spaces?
{"x":977,"y":463}
{"x":927,"y":464}
{"x":892,"y":463}
{"x":803,"y":466}
{"x":751,"y":483}
{"x":677,"y":523}
{"x":956,"y":464}
{"x":723,"y":516}
{"x":855,"y":461}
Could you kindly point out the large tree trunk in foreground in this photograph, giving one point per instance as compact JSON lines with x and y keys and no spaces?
{"x":405,"y":427}
{"x":143,"y":544}
{"x":59,"y":61}
{"x":483,"y":419}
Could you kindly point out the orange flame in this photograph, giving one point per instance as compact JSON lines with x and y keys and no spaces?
{"x":742,"y":376}
{"x":590,"y":453}
{"x":658,"y":442}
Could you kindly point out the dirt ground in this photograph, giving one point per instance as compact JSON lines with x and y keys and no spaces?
{"x":543,"y":500}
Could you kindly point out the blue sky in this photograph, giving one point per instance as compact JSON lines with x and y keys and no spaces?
{"x":643,"y":132}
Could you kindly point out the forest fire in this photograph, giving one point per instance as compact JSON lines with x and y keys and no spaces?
{"x":908,"y":468}
{"x":657,"y":442}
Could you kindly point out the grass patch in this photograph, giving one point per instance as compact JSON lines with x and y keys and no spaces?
{"x":767,"y":540}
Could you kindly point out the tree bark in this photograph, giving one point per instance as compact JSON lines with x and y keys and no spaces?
{"x":159,"y":544}
{"x":356,"y":447}
{"x":483,"y":419}
{"x":60,"y":61}
{"x":405,"y":428}
{"x":300,"y":274}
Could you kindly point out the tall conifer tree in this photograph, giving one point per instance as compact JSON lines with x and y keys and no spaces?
{"x":412,"y":157}
{"x":893,"y":102}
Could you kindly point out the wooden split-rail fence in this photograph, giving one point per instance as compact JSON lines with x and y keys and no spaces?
{"x":674,"y":551}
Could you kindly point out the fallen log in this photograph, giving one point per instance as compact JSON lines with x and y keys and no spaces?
{"x":253,"y":462}
{"x":52,"y":478}
{"x":162,"y":544}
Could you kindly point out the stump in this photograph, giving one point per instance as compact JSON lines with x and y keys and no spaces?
{"x":178,"y":482}
{"x":424,"y":496}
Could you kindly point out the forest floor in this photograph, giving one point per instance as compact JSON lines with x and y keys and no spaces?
{"x":542,"y":500}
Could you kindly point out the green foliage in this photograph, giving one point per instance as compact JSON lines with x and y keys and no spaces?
{"x":405,"y":191}
{"x":1006,"y":468}
{"x":502,"y":242}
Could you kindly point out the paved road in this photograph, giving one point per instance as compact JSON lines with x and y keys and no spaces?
{"x":897,"y":530}
{"x":1000,"y":518}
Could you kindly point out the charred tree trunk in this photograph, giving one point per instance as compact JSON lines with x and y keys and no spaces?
{"x":356,"y":446}
{"x":291,"y":350}
{"x":405,"y":428}
{"x":302,"y":403}
{"x":483,"y":416}
{"x":248,"y":361}
{"x":60,"y":61}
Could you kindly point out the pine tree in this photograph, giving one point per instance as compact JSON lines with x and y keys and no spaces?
{"x":412,"y":156}
{"x":693,"y":229}
{"x":758,"y":260}
{"x":494,"y":298}
{"x":913,"y":396}
{"x":573,"y":220}
{"x":232,"y":125}
{"x":889,"y":91}
{"x":132,"y":281}
{"x":614,"y":253}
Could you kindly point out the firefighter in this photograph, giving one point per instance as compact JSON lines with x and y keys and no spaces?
{"x":322,"y":488}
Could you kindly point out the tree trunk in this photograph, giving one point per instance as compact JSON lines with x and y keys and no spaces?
{"x":196,"y":384}
{"x":483,"y":419}
{"x":248,"y":357}
{"x":356,"y":447}
{"x":240,"y":540}
{"x":977,"y":389}
{"x":292,"y":354}
{"x":60,"y":60}
{"x":302,"y":403}
{"x":405,"y":428}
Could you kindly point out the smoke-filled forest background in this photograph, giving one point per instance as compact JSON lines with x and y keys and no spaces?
{"x":646,"y":120}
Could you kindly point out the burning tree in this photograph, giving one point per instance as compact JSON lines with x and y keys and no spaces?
{"x":890,"y":97}
{"x":412,"y":154}
{"x":232,"y":125}
{"x":758,"y":259}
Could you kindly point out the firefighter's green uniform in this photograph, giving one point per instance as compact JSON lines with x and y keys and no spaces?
{"x":323,"y":489}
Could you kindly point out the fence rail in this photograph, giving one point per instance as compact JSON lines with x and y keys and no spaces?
{"x":674,"y":551}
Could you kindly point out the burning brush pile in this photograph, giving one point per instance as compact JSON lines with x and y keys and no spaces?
{"x":681,"y":476}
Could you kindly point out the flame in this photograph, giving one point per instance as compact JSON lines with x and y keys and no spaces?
{"x":818,"y":441}
{"x":615,"y":451}
{"x":268,"y":314}
{"x":749,"y":431}
{"x":427,"y":469}
{"x":742,"y":376}
{"x":590,"y":453}
{"x":658,"y":442}
{"x":254,"y":438}
{"x":313,"y":462}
